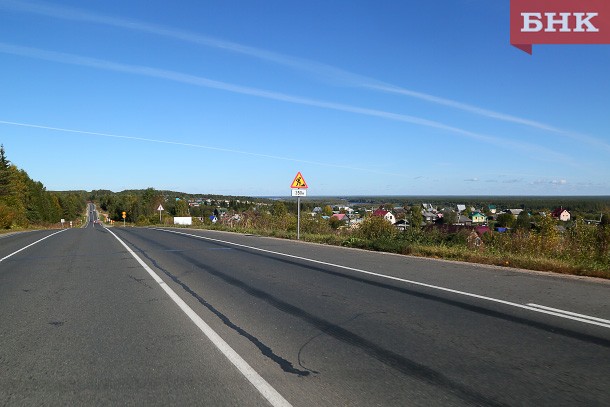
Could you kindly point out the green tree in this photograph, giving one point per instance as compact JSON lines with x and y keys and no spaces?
{"x":603,"y":236}
{"x":16,"y":194}
{"x":335,"y":223}
{"x":4,"y":173}
{"x":24,"y":201}
{"x":278,"y":209}
{"x":505,"y":220}
{"x":523,"y":221}
{"x":415,"y":217}
{"x":450,"y":217}
{"x":376,"y":227}
{"x":181,"y":208}
{"x":4,"y":162}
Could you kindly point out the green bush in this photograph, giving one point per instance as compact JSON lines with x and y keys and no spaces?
{"x":376,"y":228}
{"x":7,"y":216}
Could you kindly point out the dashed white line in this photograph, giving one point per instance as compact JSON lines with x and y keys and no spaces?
{"x":531,"y":307}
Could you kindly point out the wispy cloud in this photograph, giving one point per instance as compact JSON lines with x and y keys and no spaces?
{"x":193,"y":145}
{"x":531,"y":150}
{"x":550,"y":182}
{"x":513,"y":181}
{"x":330,"y":73}
{"x":490,"y":114}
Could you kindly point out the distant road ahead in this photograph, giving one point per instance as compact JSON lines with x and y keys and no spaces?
{"x":84,"y":322}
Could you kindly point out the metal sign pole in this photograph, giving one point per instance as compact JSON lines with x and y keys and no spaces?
{"x":299,"y":189}
{"x":299,"y":218}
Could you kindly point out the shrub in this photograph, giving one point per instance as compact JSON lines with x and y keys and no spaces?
{"x":376,"y":227}
{"x":7,"y":216}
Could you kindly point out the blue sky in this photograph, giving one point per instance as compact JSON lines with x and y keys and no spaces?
{"x":236,"y":97}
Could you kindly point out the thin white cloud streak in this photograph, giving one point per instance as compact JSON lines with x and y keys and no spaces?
{"x":490,"y":114}
{"x":338,"y":75}
{"x":201,"y":146}
{"x":534,"y":151}
{"x":72,"y":14}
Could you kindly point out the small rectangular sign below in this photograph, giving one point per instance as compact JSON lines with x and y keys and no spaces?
{"x":299,"y":192}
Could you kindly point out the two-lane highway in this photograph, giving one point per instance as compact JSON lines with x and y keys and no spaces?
{"x":83,"y":324}
{"x":131,"y":315}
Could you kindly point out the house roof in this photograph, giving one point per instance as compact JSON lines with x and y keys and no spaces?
{"x":380,"y":212}
{"x":482,"y":230}
{"x":464,"y":219}
{"x":339,"y":216}
{"x":557,"y":212}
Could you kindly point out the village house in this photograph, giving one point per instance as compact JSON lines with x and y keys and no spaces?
{"x":561,"y":214}
{"x":427,"y":207}
{"x":514,"y":212}
{"x":478,"y":217}
{"x":464,"y":220}
{"x":401,"y":225}
{"x":387,"y":215}
{"x":430,"y":216}
{"x":340,"y":216}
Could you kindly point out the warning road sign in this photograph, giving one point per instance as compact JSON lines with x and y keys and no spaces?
{"x":299,"y":182}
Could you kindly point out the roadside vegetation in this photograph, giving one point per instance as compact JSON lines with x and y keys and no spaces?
{"x":580,"y":250}
{"x":25,"y":203}
{"x":534,"y":242}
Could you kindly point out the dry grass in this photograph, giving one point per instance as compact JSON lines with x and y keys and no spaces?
{"x":532,"y":252}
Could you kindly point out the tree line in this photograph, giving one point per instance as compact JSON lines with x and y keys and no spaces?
{"x":141,"y":206}
{"x":25,"y":202}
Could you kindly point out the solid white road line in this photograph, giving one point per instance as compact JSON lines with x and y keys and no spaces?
{"x":30,"y":245}
{"x":539,"y":309}
{"x":263,"y":387}
{"x":560,"y":311}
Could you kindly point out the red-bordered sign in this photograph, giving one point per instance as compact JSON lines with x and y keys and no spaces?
{"x":299,"y":182}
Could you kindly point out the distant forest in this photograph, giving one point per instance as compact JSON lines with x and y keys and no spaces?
{"x":25,"y":202}
{"x":584,"y":207}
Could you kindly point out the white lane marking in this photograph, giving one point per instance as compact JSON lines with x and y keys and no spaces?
{"x":561,"y":311}
{"x":263,"y":387}
{"x":30,"y":245}
{"x":587,"y":320}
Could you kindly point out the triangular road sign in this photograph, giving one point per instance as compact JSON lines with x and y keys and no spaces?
{"x":299,"y":182}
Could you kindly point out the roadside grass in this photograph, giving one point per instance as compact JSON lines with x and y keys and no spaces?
{"x":17,"y":229}
{"x":452,"y":248}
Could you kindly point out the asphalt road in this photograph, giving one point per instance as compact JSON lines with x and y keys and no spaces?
{"x":82,"y":321}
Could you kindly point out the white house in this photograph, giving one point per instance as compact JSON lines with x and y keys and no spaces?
{"x":561,"y":214}
{"x":387,"y":215}
{"x":478,"y":217}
